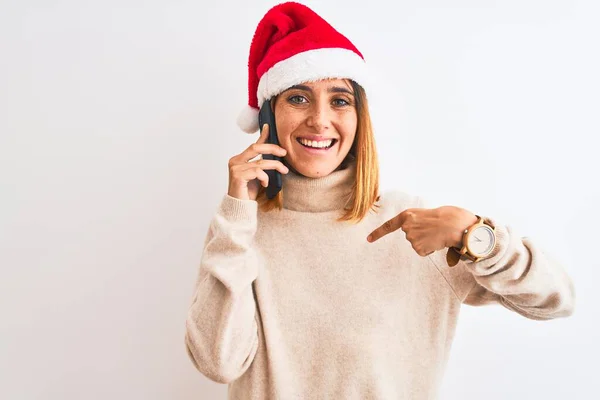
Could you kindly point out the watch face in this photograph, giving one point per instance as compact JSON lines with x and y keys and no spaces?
{"x":481,"y":241}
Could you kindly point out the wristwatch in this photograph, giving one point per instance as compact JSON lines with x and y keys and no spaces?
{"x":478,"y":241}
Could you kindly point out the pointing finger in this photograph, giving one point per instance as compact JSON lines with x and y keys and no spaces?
{"x":388,"y":226}
{"x":264,"y":134}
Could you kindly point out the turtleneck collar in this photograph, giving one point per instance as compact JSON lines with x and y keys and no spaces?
{"x":328,"y":193}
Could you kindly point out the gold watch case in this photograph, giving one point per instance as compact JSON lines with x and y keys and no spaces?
{"x":471,"y":248}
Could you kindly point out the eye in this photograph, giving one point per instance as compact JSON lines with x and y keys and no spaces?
{"x":340,"y":103}
{"x":297,"y":99}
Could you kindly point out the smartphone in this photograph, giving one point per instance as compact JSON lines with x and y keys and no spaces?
{"x":266,"y":116}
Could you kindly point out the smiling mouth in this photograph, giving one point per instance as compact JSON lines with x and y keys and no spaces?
{"x":317,"y":145}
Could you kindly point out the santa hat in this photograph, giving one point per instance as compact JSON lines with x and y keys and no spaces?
{"x":293,"y":45}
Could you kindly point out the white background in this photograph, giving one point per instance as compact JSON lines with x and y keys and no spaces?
{"x":117,"y":120}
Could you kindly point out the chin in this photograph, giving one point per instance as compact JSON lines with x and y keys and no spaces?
{"x":316,"y":173}
{"x":315,"y":170}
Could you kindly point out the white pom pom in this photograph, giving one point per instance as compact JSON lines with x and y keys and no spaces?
{"x":248,"y":119}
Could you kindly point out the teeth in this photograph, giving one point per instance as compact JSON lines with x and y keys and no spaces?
{"x":315,"y":144}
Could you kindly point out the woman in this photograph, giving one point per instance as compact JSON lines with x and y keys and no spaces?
{"x":292,"y":300}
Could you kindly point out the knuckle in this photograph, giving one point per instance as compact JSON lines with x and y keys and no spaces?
{"x":388,"y":225}
{"x":262,"y":172}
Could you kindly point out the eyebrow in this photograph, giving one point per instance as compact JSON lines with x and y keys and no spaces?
{"x":332,"y":89}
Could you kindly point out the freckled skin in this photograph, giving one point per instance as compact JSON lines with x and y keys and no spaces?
{"x":316,"y":108}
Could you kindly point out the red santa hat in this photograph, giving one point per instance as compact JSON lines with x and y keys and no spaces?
{"x":293,"y":45}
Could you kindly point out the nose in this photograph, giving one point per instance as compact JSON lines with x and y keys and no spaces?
{"x":319,"y":116}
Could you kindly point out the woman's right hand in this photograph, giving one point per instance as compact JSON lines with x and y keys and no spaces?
{"x":245,"y":176}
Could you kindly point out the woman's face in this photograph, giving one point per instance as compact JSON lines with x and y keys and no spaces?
{"x":316,"y":124}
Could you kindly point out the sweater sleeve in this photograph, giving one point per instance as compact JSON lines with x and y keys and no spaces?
{"x":221,"y":330}
{"x":518,"y":274}
{"x":522,"y":277}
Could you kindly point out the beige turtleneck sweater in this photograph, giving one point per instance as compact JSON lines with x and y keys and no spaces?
{"x":293,"y":305}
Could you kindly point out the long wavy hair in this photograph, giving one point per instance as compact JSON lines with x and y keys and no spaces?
{"x":365,"y":190}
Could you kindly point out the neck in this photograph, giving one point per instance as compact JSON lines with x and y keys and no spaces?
{"x":327,"y":193}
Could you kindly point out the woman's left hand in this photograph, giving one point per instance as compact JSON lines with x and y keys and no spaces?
{"x":429,"y":229}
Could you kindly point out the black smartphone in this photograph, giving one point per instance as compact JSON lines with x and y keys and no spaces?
{"x":266,"y":116}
